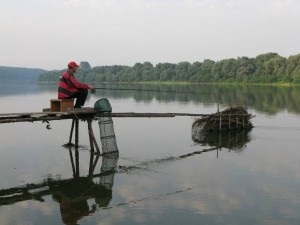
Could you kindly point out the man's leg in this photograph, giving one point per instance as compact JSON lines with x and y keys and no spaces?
{"x":80,"y":96}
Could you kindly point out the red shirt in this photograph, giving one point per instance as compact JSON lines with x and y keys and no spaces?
{"x":68,"y":85}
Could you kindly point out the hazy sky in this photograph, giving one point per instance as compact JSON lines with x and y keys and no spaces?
{"x":49,"y":33}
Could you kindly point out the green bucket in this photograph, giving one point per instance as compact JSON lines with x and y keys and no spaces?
{"x":102,"y":105}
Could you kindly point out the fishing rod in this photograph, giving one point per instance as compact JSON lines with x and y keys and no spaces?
{"x":133,"y":89}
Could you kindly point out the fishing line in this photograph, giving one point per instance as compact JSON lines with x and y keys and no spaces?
{"x":133,"y":89}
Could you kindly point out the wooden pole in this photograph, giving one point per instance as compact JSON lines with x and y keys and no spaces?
{"x":76,"y":147}
{"x":229,"y":136}
{"x":243,"y":122}
{"x":71,"y":132}
{"x":76,"y":132}
{"x":90,"y":131}
{"x":91,"y":170}
{"x":93,"y":164}
{"x":92,"y":138}
{"x":77,"y":174}
{"x":72,"y":163}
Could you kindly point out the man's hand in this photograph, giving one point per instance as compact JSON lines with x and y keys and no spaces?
{"x":93,"y":90}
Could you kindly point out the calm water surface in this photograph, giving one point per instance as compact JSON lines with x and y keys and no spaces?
{"x":160,"y":176}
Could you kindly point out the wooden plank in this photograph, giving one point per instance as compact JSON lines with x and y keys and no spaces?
{"x":132,"y":114}
{"x":29,"y":113}
{"x":13,"y":116}
{"x":92,"y":113}
{"x":44,"y":115}
{"x":32,"y":119}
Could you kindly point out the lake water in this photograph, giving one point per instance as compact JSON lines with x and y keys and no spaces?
{"x":160,"y":176}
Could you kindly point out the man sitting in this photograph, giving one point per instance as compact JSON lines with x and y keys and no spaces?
{"x":69,"y":87}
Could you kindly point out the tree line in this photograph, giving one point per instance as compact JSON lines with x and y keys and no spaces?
{"x":19,"y":74}
{"x":265,"y":68}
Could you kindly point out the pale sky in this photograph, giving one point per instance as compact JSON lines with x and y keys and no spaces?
{"x":48,"y":34}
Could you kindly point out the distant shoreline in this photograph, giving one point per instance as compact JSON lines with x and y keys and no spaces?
{"x":185,"y":83}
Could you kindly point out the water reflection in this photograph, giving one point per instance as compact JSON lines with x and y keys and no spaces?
{"x":10,"y":89}
{"x":235,"y":140}
{"x":72,"y":194}
{"x":268,"y":99}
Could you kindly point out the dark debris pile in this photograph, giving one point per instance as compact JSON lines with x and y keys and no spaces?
{"x":232,"y":118}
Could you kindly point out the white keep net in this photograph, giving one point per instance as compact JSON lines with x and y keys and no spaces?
{"x":108,"y":169}
{"x":107,"y":134}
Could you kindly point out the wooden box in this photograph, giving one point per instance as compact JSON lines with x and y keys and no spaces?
{"x":61,"y":105}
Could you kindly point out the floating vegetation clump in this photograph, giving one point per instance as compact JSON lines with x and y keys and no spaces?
{"x":228,"y":128}
{"x":232,"y":118}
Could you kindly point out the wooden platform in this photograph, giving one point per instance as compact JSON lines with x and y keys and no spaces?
{"x":45,"y":115}
{"x":87,"y":115}
{"x":82,"y":113}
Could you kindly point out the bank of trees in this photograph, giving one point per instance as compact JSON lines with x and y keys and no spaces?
{"x":265,"y":68}
{"x":18,"y":74}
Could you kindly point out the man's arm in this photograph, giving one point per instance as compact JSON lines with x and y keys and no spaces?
{"x":77,"y":84}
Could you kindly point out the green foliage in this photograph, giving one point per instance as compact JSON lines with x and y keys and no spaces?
{"x":85,"y":65}
{"x":265,"y":68}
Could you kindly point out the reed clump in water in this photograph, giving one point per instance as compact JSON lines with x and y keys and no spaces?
{"x":232,"y":118}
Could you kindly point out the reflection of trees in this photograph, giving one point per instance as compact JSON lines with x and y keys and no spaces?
{"x":18,"y":89}
{"x":232,"y":140}
{"x":269,"y":99}
{"x":72,"y":194}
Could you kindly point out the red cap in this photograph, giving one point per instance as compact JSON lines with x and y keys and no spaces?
{"x":72,"y":64}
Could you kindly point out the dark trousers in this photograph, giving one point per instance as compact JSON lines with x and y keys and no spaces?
{"x":80,"y":96}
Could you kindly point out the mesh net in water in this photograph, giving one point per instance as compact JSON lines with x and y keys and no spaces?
{"x":108,"y":169}
{"x":107,"y":134}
